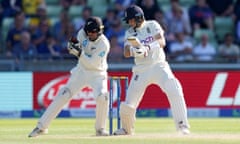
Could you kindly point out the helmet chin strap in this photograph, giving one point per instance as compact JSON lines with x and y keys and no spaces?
{"x":95,"y":38}
{"x":98,"y":34}
{"x":138,"y":24}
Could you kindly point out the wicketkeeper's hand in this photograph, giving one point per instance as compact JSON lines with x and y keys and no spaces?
{"x":73,"y":47}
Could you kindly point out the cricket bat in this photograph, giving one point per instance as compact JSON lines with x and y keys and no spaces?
{"x":134,"y":41}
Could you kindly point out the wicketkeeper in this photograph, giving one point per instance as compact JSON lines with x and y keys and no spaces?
{"x":91,"y":47}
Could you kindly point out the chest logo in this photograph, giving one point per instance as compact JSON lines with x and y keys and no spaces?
{"x":148,"y":30}
{"x":85,"y":43}
{"x":93,"y":48}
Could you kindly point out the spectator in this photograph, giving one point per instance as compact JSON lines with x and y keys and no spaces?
{"x":177,"y":23}
{"x":65,"y":4}
{"x":25,"y":49}
{"x":44,"y":41}
{"x":238,"y":32}
{"x":70,"y":31}
{"x":41,"y":14}
{"x":229,"y":51}
{"x":34,"y":21}
{"x":116,"y":51}
{"x":204,"y":51}
{"x":237,"y":10}
{"x":10,"y":7}
{"x":201,"y":16}
{"x":79,"y":2}
{"x":1,"y":16}
{"x":121,"y":5}
{"x":116,"y":29}
{"x":30,"y":7}
{"x":237,"y":20}
{"x":221,"y":7}
{"x":149,"y":7}
{"x":85,"y":14}
{"x":14,"y":33}
{"x":181,"y":49}
{"x":159,"y":17}
{"x":62,"y":30}
{"x":174,"y":5}
{"x":60,"y":27}
{"x":109,"y":18}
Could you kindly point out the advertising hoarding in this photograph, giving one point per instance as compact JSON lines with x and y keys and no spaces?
{"x":210,"y":89}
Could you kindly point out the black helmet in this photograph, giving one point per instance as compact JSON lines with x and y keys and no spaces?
{"x":133,"y":12}
{"x":93,"y":24}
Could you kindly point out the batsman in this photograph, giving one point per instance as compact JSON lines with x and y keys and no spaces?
{"x":144,"y":41}
{"x":91,"y":48}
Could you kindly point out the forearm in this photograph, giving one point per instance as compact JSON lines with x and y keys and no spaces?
{"x":161,"y":40}
{"x":162,"y":43}
{"x":127,"y":52}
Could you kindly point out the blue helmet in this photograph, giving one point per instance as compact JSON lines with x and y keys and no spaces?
{"x":133,"y":12}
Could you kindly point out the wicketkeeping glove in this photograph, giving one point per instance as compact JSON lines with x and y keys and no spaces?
{"x":74,"y":47}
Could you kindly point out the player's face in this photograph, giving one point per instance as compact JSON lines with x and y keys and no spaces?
{"x":132,"y":22}
{"x":92,"y":36}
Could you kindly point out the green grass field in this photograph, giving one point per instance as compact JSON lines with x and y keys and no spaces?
{"x":148,"y":131}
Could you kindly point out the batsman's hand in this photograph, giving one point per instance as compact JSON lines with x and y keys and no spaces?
{"x":140,"y":52}
{"x":133,"y":41}
{"x":73,"y":47}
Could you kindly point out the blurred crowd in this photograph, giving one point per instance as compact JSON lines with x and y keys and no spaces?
{"x":195,"y":30}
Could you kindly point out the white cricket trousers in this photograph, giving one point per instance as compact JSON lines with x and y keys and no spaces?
{"x":161,"y":75}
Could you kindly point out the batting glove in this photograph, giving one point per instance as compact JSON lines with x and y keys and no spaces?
{"x":140,"y":52}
